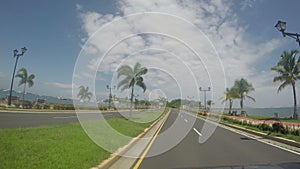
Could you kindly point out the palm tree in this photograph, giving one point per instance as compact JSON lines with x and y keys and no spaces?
{"x":84,"y":93}
{"x":243,"y":88}
{"x":289,"y":71}
{"x":132,"y":77}
{"x":25,"y":79}
{"x":230,"y":95}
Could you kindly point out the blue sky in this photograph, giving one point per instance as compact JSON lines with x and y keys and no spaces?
{"x":55,"y":32}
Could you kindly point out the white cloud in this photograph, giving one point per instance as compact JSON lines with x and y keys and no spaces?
{"x":247,"y":4}
{"x":115,"y":40}
{"x":60,"y":85}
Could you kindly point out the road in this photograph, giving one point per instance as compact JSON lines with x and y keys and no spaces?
{"x":25,"y":120}
{"x":223,"y":149}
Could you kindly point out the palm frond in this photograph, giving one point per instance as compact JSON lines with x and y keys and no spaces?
{"x":251,"y":98}
{"x":137,"y":68}
{"x":125,"y":70}
{"x":282,"y":86}
{"x":125,"y":81}
{"x":142,"y":71}
{"x":30,"y":80}
{"x":142,"y":85}
{"x":125,"y":87}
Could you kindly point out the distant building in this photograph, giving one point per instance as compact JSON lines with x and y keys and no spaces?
{"x":40,"y":101}
{"x":13,"y":98}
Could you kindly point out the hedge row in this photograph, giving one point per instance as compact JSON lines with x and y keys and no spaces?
{"x":275,"y":127}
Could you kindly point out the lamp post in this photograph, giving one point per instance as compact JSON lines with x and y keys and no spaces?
{"x":281,"y":26}
{"x":110,"y":96}
{"x":204,"y":90}
{"x":17,"y":56}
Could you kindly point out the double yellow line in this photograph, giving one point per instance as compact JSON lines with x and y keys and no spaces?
{"x":138,"y":163}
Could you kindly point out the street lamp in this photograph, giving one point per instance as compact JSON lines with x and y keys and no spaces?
{"x":110,"y":96}
{"x":17,"y":56}
{"x":204,"y":90}
{"x":281,"y":26}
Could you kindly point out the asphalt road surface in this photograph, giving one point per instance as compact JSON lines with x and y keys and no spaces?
{"x":224,"y":149}
{"x":25,"y":120}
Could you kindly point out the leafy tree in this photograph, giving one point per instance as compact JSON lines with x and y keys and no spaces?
{"x":25,"y":79}
{"x":84,"y":93}
{"x":230,"y":95}
{"x":288,"y":69}
{"x":176,"y":103}
{"x":132,"y":77}
{"x":209,"y":103}
{"x":243,"y":88}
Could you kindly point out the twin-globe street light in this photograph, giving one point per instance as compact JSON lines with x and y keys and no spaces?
{"x":16,"y":55}
{"x":204,"y":90}
{"x":281,"y":26}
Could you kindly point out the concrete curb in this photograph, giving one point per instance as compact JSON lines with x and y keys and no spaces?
{"x":114,"y":157}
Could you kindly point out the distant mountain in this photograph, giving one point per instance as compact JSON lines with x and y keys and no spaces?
{"x":33,"y":97}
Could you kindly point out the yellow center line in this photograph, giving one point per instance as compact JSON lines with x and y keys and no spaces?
{"x":149,"y":145}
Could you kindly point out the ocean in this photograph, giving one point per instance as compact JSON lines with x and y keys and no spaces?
{"x":283,"y":112}
{"x":33,"y":97}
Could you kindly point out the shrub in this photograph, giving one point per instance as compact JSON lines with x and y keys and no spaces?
{"x":245,"y":123}
{"x":265,"y":127}
{"x":225,"y":118}
{"x":202,"y":114}
{"x":27,"y":105}
{"x":46,"y":106}
{"x":17,"y":104}
{"x":38,"y":106}
{"x":279,"y":128}
{"x":295,"y":132}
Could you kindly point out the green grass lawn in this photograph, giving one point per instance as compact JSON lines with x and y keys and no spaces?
{"x":65,"y":146}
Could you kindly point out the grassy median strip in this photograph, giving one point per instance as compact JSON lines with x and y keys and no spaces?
{"x":65,"y":146}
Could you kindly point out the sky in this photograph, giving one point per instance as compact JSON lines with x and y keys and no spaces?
{"x":184,"y":44}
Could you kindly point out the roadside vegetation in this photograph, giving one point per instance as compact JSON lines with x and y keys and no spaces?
{"x":275,"y":129}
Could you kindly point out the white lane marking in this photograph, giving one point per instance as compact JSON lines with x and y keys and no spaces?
{"x":186,"y":120}
{"x":244,"y":134}
{"x":197,"y":132}
{"x":181,"y":115}
{"x":64,"y":117}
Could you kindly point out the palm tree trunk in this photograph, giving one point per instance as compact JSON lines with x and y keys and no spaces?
{"x":23,"y":95}
{"x":230,"y":106}
{"x":131,"y":100}
{"x":295,"y":115}
{"x":242,"y":104}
